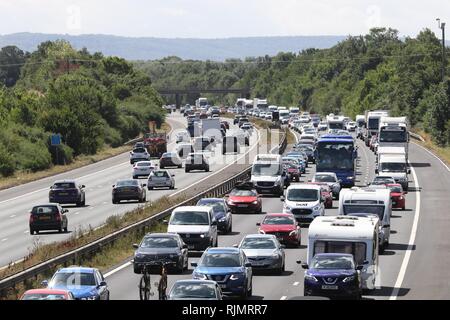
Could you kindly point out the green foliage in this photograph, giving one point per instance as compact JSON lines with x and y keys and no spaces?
{"x":7,"y":165}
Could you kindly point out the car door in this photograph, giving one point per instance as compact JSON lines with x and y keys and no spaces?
{"x":248,"y":270}
{"x":213,"y":227}
{"x":184,"y":251}
{"x":102,"y":290}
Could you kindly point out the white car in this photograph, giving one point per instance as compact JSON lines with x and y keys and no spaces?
{"x":304,"y":201}
{"x":331,"y":179}
{"x":139,"y":154}
{"x":269,"y":117}
{"x":161,"y":179}
{"x":351,"y":126}
{"x":323,"y":126}
{"x":143,"y":169}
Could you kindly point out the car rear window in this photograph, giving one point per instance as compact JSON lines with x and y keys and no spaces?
{"x":44,"y":210}
{"x":139,"y":150}
{"x":144,"y":164}
{"x":125,"y":183}
{"x":64,"y":185}
{"x":160,"y":174}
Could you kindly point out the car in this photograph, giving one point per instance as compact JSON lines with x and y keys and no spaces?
{"x":269,"y":117}
{"x":48,"y":217}
{"x":247,"y":127}
{"x":84,"y":283}
{"x":308,"y":149}
{"x":327,"y":194}
{"x":282,"y":225}
{"x":128,"y":190}
{"x":382,"y":181}
{"x":372,"y":142}
{"x":196,"y":161}
{"x":236,"y":119}
{"x":351,"y":126}
{"x":196,"y":225}
{"x":143,"y":169}
{"x":242,"y":121}
{"x":397,"y":196}
{"x":157,"y":247}
{"x":230,"y":144}
{"x":67,"y":192}
{"x":226,"y":124}
{"x":264,"y":252}
{"x":229,"y":267}
{"x":301,"y":157}
{"x":221,"y":213}
{"x":331,"y":179}
{"x":139,"y":145}
{"x":323,"y":126}
{"x":170,"y":159}
{"x":203,"y":144}
{"x":333,"y":275}
{"x":244,"y":199}
{"x":161,"y":179}
{"x":195,"y":290}
{"x":293,"y":171}
{"x":47,"y":294}
{"x":182,"y":137}
{"x":139,"y":154}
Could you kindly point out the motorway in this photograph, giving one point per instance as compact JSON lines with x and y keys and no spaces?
{"x":414,"y":266}
{"x":16,"y":203}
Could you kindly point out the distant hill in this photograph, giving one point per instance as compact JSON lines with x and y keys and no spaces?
{"x":157,"y":48}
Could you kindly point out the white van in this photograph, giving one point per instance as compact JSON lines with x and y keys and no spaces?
{"x":268,"y":175}
{"x":304,"y":201}
{"x":347,"y":234}
{"x":363,"y":202}
{"x":394,"y":166}
{"x":196,"y":226}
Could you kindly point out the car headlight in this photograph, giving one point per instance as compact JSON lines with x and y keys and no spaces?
{"x":262,"y":231}
{"x":199,"y":276}
{"x":139,"y":256}
{"x":317,"y":208}
{"x":310,"y":277}
{"x":255,"y":202}
{"x":275,"y":255}
{"x":173,"y":255}
{"x":348,"y":279}
{"x":401,"y":198}
{"x":235,"y":277}
{"x":288,"y":208}
{"x":293,"y":233}
{"x":222,"y":219}
{"x":204,"y":235}
{"x":350,"y":178}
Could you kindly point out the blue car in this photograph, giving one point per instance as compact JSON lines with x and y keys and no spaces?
{"x":229,"y":267}
{"x":67,"y":192}
{"x":84,"y":283}
{"x":221,"y":212}
{"x":333,"y":275}
{"x":301,"y":158}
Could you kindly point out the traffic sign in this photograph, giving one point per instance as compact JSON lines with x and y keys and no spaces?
{"x":56,"y":139}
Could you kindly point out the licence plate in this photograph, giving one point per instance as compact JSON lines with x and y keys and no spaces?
{"x":394,"y":203}
{"x":329,"y":287}
{"x":44,"y":218}
{"x":63,"y":194}
{"x":191,"y":246}
{"x":242,"y":206}
{"x":223,"y":286}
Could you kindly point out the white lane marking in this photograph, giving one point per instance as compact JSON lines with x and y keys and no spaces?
{"x":3,"y":240}
{"x":26,"y":231}
{"x":443,"y":163}
{"x":283,"y":298}
{"x":105,"y":202}
{"x":118,"y":269}
{"x":224,"y":168}
{"x":12,"y":216}
{"x":296,"y":284}
{"x":91,"y":208}
{"x":77,"y":213}
{"x":412,"y":239}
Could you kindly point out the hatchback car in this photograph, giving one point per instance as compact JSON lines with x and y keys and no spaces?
{"x":48,"y":217}
{"x":67,"y":192}
{"x":128,"y":190}
{"x":229,"y":267}
{"x":143,"y":169}
{"x":139,"y":154}
{"x":195,"y":290}
{"x":327,"y":194}
{"x":244,"y":199}
{"x":84,"y":283}
{"x":264,"y":252}
{"x":397,"y":196}
{"x":47,"y":294}
{"x":221,"y":212}
{"x":282,"y":225}
{"x":170,"y":159}
{"x":196,"y":161}
{"x":157,"y":247}
{"x":332,"y":275}
{"x":161,"y":179}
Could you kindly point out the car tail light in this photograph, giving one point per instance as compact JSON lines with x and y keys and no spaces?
{"x":31,"y":218}
{"x":58,"y":217}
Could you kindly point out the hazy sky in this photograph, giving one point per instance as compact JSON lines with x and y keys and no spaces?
{"x":220,"y":18}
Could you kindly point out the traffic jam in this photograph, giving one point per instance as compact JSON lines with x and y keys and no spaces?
{"x":315,"y":176}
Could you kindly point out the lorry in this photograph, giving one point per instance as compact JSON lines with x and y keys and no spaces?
{"x":201,"y":102}
{"x":155,"y":143}
{"x":373,"y":123}
{"x":393,"y":132}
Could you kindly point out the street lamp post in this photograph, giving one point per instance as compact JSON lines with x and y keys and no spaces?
{"x":441,"y":25}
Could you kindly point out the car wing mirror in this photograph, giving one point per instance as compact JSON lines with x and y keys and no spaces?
{"x":409,"y":171}
{"x":360,"y":267}
{"x":235,"y":245}
{"x":248,"y":265}
{"x":194,"y":264}
{"x":135,"y":246}
{"x":185,"y":246}
{"x":144,"y":185}
{"x":305,"y":266}
{"x":282,"y":199}
{"x":258,"y":224}
{"x":103,"y":284}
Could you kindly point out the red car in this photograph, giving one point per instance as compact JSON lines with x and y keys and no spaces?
{"x":226,"y":124}
{"x":327,"y":194}
{"x":293,"y":172}
{"x":397,"y":196}
{"x":284,"y":226}
{"x":47,"y":294}
{"x":244,"y":199}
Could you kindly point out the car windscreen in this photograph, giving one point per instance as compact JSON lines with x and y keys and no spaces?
{"x":193,"y":290}
{"x":127,"y":183}
{"x":72,"y":279}
{"x":220,"y":260}
{"x":269,"y":169}
{"x":393,"y":167}
{"x":159,"y":242}
{"x":258,"y":243}
{"x":324,"y":178}
{"x":217,"y":206}
{"x":357,"y":249}
{"x":190,"y":218}
{"x":396,"y":189}
{"x":332,"y":262}
{"x":43,"y":296}
{"x":303,"y":195}
{"x":243,"y":193}
{"x":139,"y":150}
{"x":44,"y":210}
{"x":364,"y":209}
{"x":279,"y":221}
{"x":64,"y":185}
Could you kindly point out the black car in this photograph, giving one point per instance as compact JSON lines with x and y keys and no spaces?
{"x":67,"y":192}
{"x":196,"y":161}
{"x":158,"y":247}
{"x":170,"y":159}
{"x":230,"y":144}
{"x":236,"y":119}
{"x":221,"y":212}
{"x":48,"y":217}
{"x":128,"y":190}
{"x":242,"y":121}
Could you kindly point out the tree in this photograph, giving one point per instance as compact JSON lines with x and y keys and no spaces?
{"x":11,"y":61}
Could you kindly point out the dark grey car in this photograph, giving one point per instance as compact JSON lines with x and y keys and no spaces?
{"x":128,"y":190}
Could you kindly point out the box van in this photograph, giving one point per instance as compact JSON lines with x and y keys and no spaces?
{"x":394,"y":166}
{"x":268,"y":175}
{"x":304,"y":201}
{"x":364,"y":202}
{"x":195,"y":225}
{"x":347,"y":234}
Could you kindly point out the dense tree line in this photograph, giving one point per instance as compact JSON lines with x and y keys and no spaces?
{"x":378,"y":70}
{"x":89,"y":99}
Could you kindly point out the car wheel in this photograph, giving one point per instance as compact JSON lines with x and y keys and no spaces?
{"x":403,"y":208}
{"x":65,"y":229}
{"x":60,"y":230}
{"x":180,"y":166}
{"x":250,"y":291}
{"x":137,"y":270}
{"x":186,"y":170}
{"x":230,"y":228}
{"x":31,"y":231}
{"x":135,"y":177}
{"x":299,"y":244}
{"x":84,"y":202}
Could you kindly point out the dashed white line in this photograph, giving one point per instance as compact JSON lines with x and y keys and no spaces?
{"x":283,"y":298}
{"x":26,"y":231}
{"x":77,"y":213}
{"x":118,"y":269}
{"x":3,"y":240}
{"x":12,"y":216}
{"x":296,"y":284}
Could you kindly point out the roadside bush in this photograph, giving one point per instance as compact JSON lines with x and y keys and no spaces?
{"x":112,"y":137}
{"x":7,"y":164}
{"x":33,"y":157}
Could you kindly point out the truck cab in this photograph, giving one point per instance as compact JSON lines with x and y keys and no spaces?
{"x":268,"y":175}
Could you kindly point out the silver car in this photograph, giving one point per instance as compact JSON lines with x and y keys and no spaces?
{"x":143,"y":169}
{"x":331,"y":179}
{"x":161,"y":179}
{"x":264,"y":252}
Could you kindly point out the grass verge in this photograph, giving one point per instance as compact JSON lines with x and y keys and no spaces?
{"x":442,"y":152}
